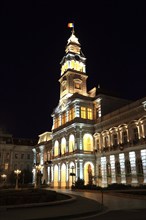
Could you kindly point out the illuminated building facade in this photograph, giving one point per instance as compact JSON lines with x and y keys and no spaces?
{"x":15,"y":153}
{"x":95,"y":136}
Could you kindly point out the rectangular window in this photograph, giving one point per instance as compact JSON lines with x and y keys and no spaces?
{"x":56,"y":122}
{"x":71,"y":114}
{"x":89,"y":113}
{"x":28,"y":156}
{"x":83,"y":112}
{"x":63,"y":118}
{"x":16,"y":156}
{"x":6,"y":166}
{"x":135,"y":133}
{"x":115,"y":139}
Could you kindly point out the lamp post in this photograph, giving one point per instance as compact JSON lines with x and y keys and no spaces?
{"x":72,"y":174}
{"x":38,"y":168}
{"x":17,"y":172}
{"x":4,"y":176}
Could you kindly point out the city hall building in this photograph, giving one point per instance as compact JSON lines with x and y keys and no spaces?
{"x":95,"y":136}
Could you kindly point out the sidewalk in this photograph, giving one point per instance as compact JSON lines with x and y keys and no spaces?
{"x":77,"y":206}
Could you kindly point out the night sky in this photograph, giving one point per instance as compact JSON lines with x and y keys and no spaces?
{"x":33,"y":36}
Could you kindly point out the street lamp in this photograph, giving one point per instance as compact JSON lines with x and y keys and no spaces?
{"x":17,"y":172}
{"x":38,"y":174}
{"x":72,"y":174}
{"x":4,"y":176}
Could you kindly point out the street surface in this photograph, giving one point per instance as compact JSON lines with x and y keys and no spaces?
{"x":118,"y":207}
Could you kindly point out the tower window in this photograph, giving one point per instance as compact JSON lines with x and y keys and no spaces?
{"x":77,"y":86}
{"x":63,"y":118}
{"x":77,"y":83}
{"x":56,"y":122}
{"x":71,"y":114}
{"x":64,"y":83}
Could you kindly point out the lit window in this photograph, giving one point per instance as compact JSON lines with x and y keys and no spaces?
{"x":56,"y":122}
{"x":88,"y":142}
{"x":71,"y":143}
{"x":56,"y":148}
{"x":6,"y":166}
{"x":63,"y":146}
{"x":63,"y":118}
{"x":77,"y":86}
{"x":83,"y":112}
{"x":89,"y":113}
{"x":71,"y":114}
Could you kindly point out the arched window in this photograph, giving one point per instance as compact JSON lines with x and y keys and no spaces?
{"x":90,"y":177}
{"x":135,"y":135}
{"x":88,"y":142}
{"x":106,"y":141}
{"x":124,"y":137}
{"x":63,"y":146}
{"x":56,"y":148}
{"x":71,"y":143}
{"x":115,"y":139}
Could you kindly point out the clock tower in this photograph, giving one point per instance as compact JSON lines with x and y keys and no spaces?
{"x":73,"y":70}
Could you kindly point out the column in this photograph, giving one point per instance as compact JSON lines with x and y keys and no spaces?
{"x":77,"y":111}
{"x":80,"y":146}
{"x":113,"y":171}
{"x":67,"y":175}
{"x":81,"y":169}
{"x":143,"y":158}
{"x":77,"y":170}
{"x":132,"y":159}
{"x":34,"y":170}
{"x":122,"y":167}
{"x":59,"y":175}
{"x":42,"y":154}
{"x":103,"y":172}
